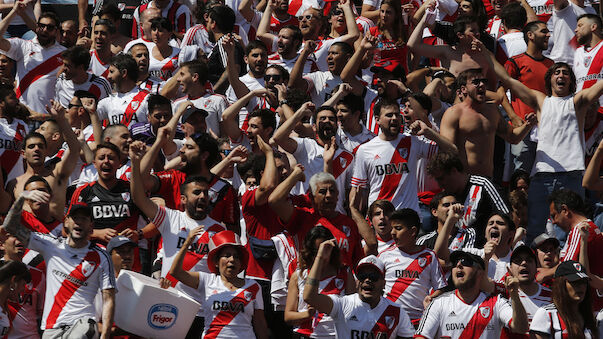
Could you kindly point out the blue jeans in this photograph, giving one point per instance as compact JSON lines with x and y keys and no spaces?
{"x":541,"y":186}
{"x":524,"y":154}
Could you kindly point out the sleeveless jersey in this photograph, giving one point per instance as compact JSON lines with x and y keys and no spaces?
{"x":384,"y":168}
{"x":356,"y":319}
{"x":96,"y":85}
{"x":228,"y":314}
{"x":75,"y":276}
{"x":124,"y":108}
{"x":410,"y":277}
{"x":449,"y":316}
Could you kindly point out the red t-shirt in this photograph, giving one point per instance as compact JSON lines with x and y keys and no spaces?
{"x":388,"y":54}
{"x":530,"y":72}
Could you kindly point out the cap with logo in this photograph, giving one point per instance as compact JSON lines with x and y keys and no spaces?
{"x":571,"y":270}
{"x":118,"y":241}
{"x":373,"y":261}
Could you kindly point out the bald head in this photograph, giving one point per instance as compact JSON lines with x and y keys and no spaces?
{"x":145,"y":20}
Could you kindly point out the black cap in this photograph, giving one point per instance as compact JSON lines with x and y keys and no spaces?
{"x":79,"y":206}
{"x":544,"y":237}
{"x":118,"y":241}
{"x":190,"y":110}
{"x":460,"y":254}
{"x":396,"y":72}
{"x":571,"y":270}
{"x":523,"y":249}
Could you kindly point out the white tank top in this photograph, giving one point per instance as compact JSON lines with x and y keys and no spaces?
{"x":560,"y":138}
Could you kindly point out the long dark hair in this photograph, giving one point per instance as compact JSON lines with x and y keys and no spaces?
{"x":309,"y":250}
{"x":570,"y":318}
{"x":398,"y":32}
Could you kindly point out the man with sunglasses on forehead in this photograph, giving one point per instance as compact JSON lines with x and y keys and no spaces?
{"x":472,"y":124}
{"x":38,"y":60}
{"x":365,"y":314}
{"x":467,"y":312}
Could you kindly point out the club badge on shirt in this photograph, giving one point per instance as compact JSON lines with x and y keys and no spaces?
{"x":485,"y":311}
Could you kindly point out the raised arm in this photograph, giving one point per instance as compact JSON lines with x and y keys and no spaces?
{"x":591,"y":179}
{"x":90,"y":105}
{"x":586,"y":97}
{"x":366,"y":232}
{"x":420,"y":128}
{"x":232,"y":68}
{"x":263,"y":33}
{"x":238,"y":155}
{"x":295,"y":78}
{"x":66,"y":166}
{"x":189,"y":278}
{"x":82,"y":8}
{"x":416,"y":45}
{"x":279,"y":198}
{"x":230,"y":116}
{"x":246,"y":10}
{"x":12,"y":223}
{"x":269,"y":179}
{"x":519,"y":323}
{"x":139,"y":196}
{"x":348,"y":74}
{"x":292,"y":315}
{"x":441,"y":245}
{"x":350,"y":21}
{"x":321,"y":302}
{"x":370,"y":12}
{"x":282,"y":134}
{"x":515,"y":135}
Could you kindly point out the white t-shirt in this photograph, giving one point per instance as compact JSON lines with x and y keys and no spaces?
{"x":174,"y":227}
{"x":386,"y":168}
{"x":356,"y":319}
{"x":409,"y":278}
{"x":448,"y":316}
{"x":228,"y":314}
{"x":65,"y":89}
{"x":32,"y":61}
{"x":512,"y":44}
{"x":251,"y":83}
{"x":321,"y":84}
{"x":562,"y":25}
{"x":214,"y":104}
{"x":588,"y":67}
{"x":124,"y":108}
{"x":75,"y":275}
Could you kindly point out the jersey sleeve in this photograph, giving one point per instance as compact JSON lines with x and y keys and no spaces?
{"x":187,"y":53}
{"x":504,"y":311}
{"x":427,"y":148}
{"x":430,"y":322}
{"x":258,"y":303}
{"x":102,"y":109}
{"x":160,"y":219}
{"x":405,"y":327}
{"x":573,"y":246}
{"x":359,"y":176}
{"x":437,"y":275}
{"x":183,"y":19}
{"x":41,"y":243}
{"x":16,"y":48}
{"x":107,"y":274}
{"x":512,"y":69}
{"x":541,"y":322}
{"x":337,"y":310}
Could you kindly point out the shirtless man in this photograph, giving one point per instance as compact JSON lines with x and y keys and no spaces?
{"x":35,"y":152}
{"x":457,"y":58}
{"x":472,"y":124}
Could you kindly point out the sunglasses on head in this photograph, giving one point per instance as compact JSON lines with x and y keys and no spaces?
{"x":370,"y":275}
{"x":476,"y":82}
{"x":307,"y":17}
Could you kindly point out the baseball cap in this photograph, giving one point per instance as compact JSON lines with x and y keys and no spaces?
{"x":541,"y":239}
{"x":460,"y":254}
{"x":190,"y":110}
{"x":523,"y":249}
{"x":79,"y":206}
{"x":571,"y":270}
{"x":118,"y":241}
{"x":373,"y":261}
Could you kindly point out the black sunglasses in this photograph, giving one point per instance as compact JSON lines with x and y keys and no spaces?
{"x":70,"y":106}
{"x":370,"y":275}
{"x":48,"y":27}
{"x":467,"y":262}
{"x":476,"y":82}
{"x":275,"y":77}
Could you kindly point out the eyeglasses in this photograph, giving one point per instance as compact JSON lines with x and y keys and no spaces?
{"x":274,"y":77}
{"x":370,"y":275}
{"x":476,"y":82}
{"x":46,"y":26}
{"x":307,"y":17}
{"x":70,"y":106}
{"x":226,"y":152}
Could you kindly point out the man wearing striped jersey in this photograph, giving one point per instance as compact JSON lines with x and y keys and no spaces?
{"x":77,"y":270}
{"x":140,"y":53}
{"x":100,"y":55}
{"x":588,"y":60}
{"x":411,"y":271}
{"x":467,"y":312}
{"x":384,"y":167}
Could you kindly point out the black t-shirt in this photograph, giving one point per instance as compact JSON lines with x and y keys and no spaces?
{"x":216,"y":62}
{"x":112,"y":208}
{"x":127,"y":8}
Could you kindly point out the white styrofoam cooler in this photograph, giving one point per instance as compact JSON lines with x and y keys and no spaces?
{"x":143,"y":308}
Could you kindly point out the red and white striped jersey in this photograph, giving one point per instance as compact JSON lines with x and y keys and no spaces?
{"x":386,"y":168}
{"x":531,"y":303}
{"x":228,"y":314}
{"x":124,"y":108}
{"x":214,"y":104}
{"x":588,"y":67}
{"x":174,"y":227}
{"x":548,"y":321}
{"x":351,"y":142}
{"x":178,"y":14}
{"x":97,"y":67}
{"x":309,"y":154}
{"x":75,"y":276}
{"x":11,"y":142}
{"x":321,"y":325}
{"x":276,"y":24}
{"x":543,"y":9}
{"x":448,"y":316}
{"x":364,"y":24}
{"x":356,"y":319}
{"x":371,"y":97}
{"x":198,"y":36}
{"x":29,"y":307}
{"x":297,"y":7}
{"x":164,"y":69}
{"x":321,"y":84}
{"x":277,"y":59}
{"x":410,"y":277}
{"x":96,"y":85}
{"x":37,"y":69}
{"x":151,"y":84}
{"x":251,"y":83}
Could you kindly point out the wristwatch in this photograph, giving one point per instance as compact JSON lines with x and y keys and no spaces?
{"x":283,"y":102}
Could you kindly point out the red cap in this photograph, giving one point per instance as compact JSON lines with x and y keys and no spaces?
{"x":218,"y":241}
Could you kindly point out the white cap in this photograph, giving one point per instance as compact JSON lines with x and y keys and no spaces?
{"x":373,"y":261}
